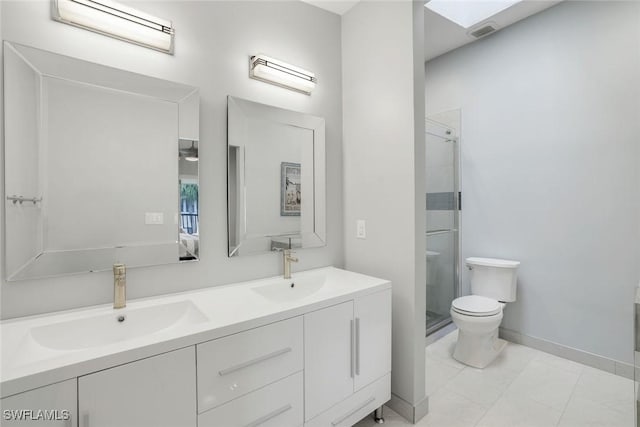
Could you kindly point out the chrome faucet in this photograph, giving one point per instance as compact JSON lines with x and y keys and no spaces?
{"x":119,"y":286}
{"x":287,"y":259}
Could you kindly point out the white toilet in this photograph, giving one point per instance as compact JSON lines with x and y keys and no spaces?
{"x":478,"y":316}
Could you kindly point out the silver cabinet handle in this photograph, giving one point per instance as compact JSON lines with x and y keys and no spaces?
{"x":357,"y":346}
{"x":344,"y":417}
{"x":637,"y":326}
{"x":269,"y":416}
{"x":353,"y":350}
{"x":243,"y":365}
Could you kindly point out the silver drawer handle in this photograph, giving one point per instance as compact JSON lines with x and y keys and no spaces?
{"x":254,"y":361}
{"x":269,"y":416}
{"x":341,"y":419}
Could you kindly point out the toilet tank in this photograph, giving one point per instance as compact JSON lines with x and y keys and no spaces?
{"x":493,"y":278}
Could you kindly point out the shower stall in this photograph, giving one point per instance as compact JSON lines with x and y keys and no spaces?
{"x":443,"y":202}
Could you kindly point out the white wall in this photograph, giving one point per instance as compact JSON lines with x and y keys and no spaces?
{"x":213,"y":43}
{"x":96,"y":141}
{"x":384,"y":172}
{"x":551,"y":165}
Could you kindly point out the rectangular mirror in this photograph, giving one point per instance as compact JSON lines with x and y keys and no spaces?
{"x":100,"y":166}
{"x":276,"y":178}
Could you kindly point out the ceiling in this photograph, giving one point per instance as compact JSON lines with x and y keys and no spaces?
{"x":336,"y":6}
{"x":442,"y":35}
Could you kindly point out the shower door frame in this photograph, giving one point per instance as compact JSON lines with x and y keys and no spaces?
{"x":449,"y":134}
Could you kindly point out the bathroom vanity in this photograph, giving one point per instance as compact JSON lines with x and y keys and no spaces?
{"x":313,"y":350}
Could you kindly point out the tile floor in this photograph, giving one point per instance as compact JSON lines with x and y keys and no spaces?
{"x":523,"y":387}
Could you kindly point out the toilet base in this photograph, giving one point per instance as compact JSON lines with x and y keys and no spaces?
{"x":478,"y":350}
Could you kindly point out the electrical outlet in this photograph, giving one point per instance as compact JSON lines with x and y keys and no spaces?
{"x":361,"y":229}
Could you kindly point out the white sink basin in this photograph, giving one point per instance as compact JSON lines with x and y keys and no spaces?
{"x":291,"y":289}
{"x":118,"y":325}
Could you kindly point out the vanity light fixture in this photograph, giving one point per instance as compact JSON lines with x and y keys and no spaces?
{"x":280,"y":73}
{"x":116,"y":20}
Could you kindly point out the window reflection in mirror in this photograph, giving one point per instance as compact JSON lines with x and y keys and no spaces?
{"x":189,"y":207}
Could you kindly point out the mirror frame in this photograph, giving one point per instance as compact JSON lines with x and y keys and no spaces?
{"x":238,"y":112}
{"x":44,"y":63}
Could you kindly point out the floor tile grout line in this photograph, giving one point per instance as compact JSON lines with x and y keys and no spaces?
{"x":573,"y":390}
{"x":603,"y":404}
{"x":443,"y":386}
{"x":504,"y":391}
{"x":540,"y":358}
{"x":484,"y":408}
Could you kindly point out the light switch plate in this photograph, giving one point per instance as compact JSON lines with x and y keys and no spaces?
{"x":361,"y":229}
{"x":154,"y":218}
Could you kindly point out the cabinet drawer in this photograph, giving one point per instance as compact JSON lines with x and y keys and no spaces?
{"x":357,"y":406}
{"x":276,"y":405}
{"x":233,"y":366}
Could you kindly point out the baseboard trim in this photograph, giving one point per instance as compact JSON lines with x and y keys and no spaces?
{"x":411,"y":413}
{"x":595,"y":361}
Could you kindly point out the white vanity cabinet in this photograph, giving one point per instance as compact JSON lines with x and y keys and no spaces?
{"x":347,"y":360}
{"x":54,"y":405}
{"x":154,"y":392}
{"x":318,"y":359}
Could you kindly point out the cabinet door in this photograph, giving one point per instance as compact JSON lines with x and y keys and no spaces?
{"x":373,"y":337}
{"x":53,"y":405}
{"x":154,"y":392}
{"x":328,"y":357}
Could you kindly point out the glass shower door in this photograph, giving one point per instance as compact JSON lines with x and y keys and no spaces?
{"x":442,"y":207}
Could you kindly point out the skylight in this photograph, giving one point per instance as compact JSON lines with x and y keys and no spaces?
{"x":468,"y":13}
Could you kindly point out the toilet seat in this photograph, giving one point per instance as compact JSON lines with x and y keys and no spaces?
{"x":476,"y":306}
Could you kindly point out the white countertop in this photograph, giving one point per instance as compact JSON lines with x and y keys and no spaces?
{"x":228,"y":309}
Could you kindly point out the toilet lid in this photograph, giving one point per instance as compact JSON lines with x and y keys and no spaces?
{"x":475,"y":305}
